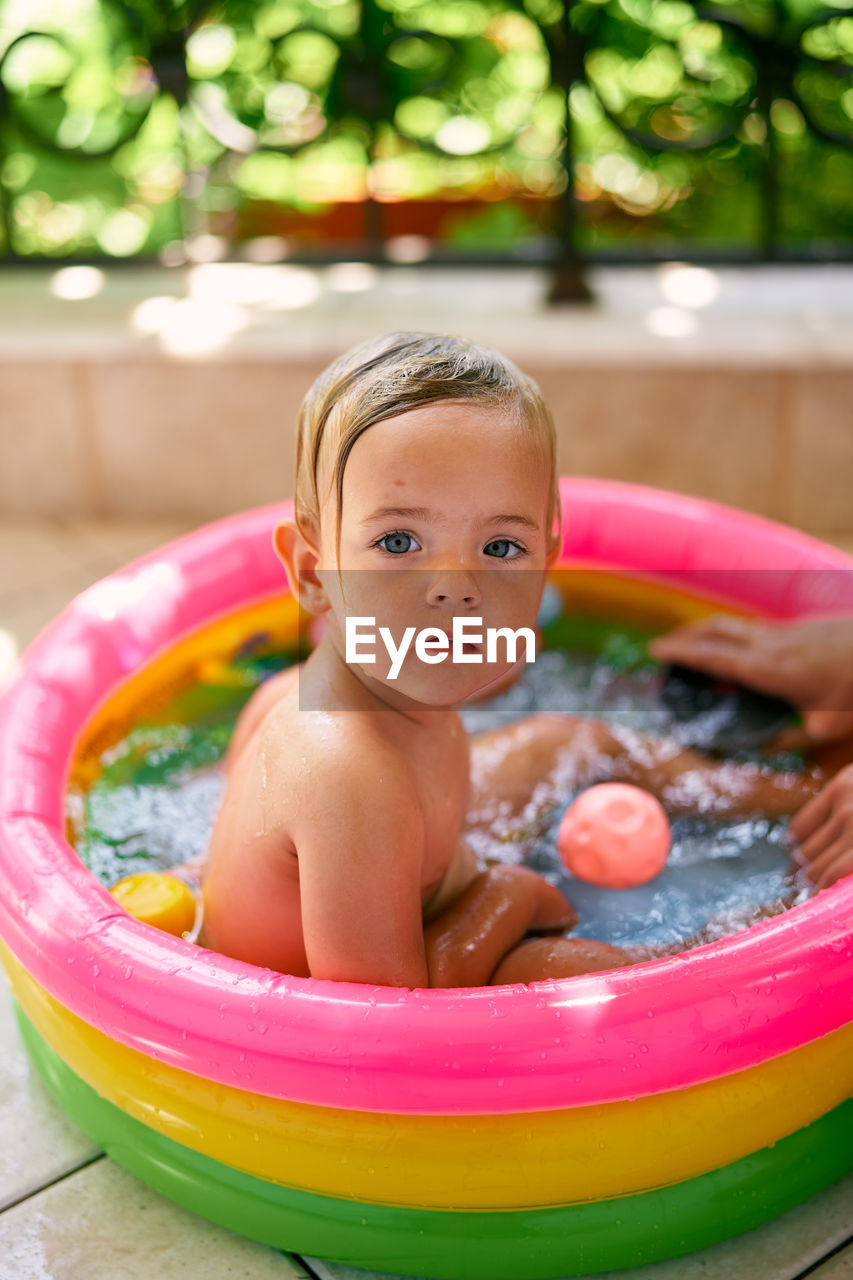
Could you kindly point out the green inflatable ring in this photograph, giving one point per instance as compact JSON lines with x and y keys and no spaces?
{"x":535,"y":1244}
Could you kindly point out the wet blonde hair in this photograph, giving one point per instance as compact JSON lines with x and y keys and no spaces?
{"x":388,"y":376}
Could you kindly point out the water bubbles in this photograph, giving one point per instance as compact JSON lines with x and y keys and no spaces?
{"x":161,"y":803}
{"x":131,"y":827}
{"x":722,"y":871}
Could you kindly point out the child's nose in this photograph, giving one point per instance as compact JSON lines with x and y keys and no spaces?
{"x":455,"y":587}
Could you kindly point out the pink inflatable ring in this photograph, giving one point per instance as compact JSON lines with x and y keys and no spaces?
{"x":574,"y":1126}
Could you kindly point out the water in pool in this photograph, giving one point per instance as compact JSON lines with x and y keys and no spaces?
{"x":155,"y":800}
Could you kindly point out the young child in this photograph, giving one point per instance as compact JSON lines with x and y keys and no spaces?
{"x":353,"y":836}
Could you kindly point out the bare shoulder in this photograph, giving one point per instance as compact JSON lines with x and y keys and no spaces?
{"x":267,"y":696}
{"x":333,"y":760}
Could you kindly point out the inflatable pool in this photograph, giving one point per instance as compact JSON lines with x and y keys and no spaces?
{"x":516,"y":1132}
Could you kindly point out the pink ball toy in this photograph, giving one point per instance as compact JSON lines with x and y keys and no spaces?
{"x":614,"y":835}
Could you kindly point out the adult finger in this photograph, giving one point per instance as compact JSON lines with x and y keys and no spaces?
{"x":828,"y":726}
{"x":795,"y":739}
{"x":751,"y":665}
{"x":812,"y":815}
{"x":724,"y":625}
{"x":835,"y":863}
{"x":720,"y":632}
{"x":820,"y":840}
{"x":718,"y":659}
{"x":818,"y":728}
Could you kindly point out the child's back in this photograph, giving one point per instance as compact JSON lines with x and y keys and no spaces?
{"x":318,"y":800}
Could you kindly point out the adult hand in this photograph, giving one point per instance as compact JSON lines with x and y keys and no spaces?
{"x":823,"y":831}
{"x":809,"y":662}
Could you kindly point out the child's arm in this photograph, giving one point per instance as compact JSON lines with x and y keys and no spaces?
{"x":360,"y":843}
{"x":542,"y":758}
{"x":823,"y":830}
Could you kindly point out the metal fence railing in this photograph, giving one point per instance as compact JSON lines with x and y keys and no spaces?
{"x":416,"y":130}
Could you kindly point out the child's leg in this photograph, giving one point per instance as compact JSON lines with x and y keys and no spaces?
{"x":520,"y":771}
{"x":465,"y":943}
{"x":542,"y":958}
{"x":532,"y":764}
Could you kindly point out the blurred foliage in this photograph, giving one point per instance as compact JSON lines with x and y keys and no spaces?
{"x":130,"y":127}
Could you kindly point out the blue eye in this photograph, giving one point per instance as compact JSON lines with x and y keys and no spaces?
{"x":506,"y":548}
{"x":398,"y":543}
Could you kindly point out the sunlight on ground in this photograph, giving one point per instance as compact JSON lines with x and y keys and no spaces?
{"x":684,"y":286}
{"x":75,"y":283}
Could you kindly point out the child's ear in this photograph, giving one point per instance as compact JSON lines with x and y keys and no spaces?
{"x":300,"y":557}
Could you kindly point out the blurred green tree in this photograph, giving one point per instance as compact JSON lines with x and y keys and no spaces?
{"x":530,"y":129}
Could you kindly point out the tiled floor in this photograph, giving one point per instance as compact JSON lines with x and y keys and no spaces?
{"x":67,"y":1212}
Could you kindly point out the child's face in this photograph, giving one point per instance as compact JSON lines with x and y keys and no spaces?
{"x":443,"y":515}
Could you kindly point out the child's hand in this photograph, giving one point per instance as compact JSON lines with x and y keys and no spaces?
{"x":810,"y":663}
{"x":823,"y":830}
